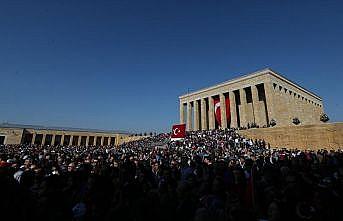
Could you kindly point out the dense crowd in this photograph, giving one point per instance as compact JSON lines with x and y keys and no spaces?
{"x":210,"y":175}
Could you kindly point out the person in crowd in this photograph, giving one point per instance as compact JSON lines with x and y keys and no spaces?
{"x":210,"y":175}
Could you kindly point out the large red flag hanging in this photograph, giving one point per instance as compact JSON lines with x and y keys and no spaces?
{"x":228,"y":111}
{"x":178,"y":132}
{"x":217,"y":110}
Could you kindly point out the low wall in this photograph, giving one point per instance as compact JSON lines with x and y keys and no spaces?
{"x":328,"y":136}
{"x":133,"y":138}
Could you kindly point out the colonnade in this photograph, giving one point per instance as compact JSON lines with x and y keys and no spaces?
{"x":72,"y":139}
{"x":247,"y":106}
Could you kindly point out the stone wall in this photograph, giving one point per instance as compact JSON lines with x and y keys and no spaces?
{"x":290,"y":102}
{"x":329,"y":136}
{"x":133,"y":138}
{"x":12,"y":135}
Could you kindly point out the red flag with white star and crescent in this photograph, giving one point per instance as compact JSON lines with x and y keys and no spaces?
{"x":217,"y":110}
{"x":178,"y":132}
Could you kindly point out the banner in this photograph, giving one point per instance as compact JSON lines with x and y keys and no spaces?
{"x":178,"y":132}
{"x":217,"y":110}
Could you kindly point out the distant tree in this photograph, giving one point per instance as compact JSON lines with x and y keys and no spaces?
{"x":272,"y":122}
{"x":253,"y":125}
{"x":324,"y":117}
{"x":296,"y":121}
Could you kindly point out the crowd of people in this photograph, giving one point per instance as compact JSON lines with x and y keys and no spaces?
{"x":210,"y":175}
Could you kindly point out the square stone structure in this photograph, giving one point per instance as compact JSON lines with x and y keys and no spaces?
{"x":41,"y":135}
{"x":257,"y":98}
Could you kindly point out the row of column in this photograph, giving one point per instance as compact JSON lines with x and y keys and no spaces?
{"x":204,"y":120}
{"x":71,"y":139}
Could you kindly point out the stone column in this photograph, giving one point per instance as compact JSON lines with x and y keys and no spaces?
{"x":102,"y":141}
{"x":196,"y":115}
{"x":270,"y":95}
{"x":117,"y":141}
{"x":53,"y":140}
{"x":182,"y":113}
{"x":223,"y":111}
{"x":79,"y":140}
{"x":233,"y":111}
{"x":71,"y":140}
{"x":87,"y":141}
{"x":211,"y":120}
{"x":256,"y":106}
{"x":33,"y":138}
{"x":62,"y":139}
{"x":242,"y":112}
{"x":189,"y":116}
{"x":43,"y":139}
{"x":203,"y":114}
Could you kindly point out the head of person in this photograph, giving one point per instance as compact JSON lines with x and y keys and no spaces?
{"x":71,"y":167}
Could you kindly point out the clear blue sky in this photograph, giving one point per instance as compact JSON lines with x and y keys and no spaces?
{"x":123,"y":64}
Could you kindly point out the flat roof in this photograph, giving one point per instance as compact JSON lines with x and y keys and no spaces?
{"x":251,"y":75}
{"x":71,"y":129}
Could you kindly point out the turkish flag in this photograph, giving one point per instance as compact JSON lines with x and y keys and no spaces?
{"x":178,"y":132}
{"x":217,"y":110}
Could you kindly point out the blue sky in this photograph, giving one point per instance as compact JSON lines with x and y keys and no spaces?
{"x":123,"y":64}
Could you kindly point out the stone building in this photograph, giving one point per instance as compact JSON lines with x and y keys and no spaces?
{"x":40,"y":135}
{"x":258,"y":99}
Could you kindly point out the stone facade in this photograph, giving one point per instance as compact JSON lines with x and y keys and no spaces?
{"x":256,"y":98}
{"x":319,"y":136}
{"x":16,"y":134}
{"x":11,"y":135}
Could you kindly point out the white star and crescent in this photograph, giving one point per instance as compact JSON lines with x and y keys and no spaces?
{"x":176,"y":131}
{"x":216,"y":106}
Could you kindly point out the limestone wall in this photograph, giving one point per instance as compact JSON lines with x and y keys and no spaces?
{"x":329,"y":136}
{"x":133,"y":138}
{"x":12,"y":135}
{"x":291,"y":102}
